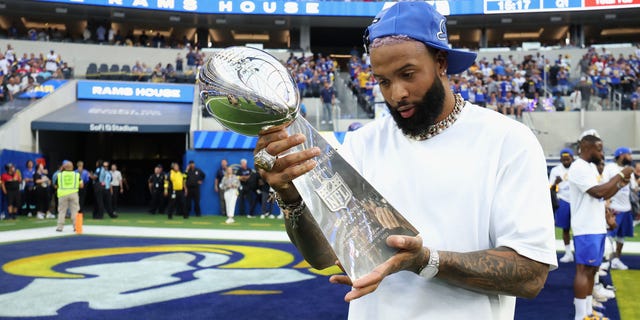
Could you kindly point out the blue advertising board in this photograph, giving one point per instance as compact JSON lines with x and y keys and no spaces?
{"x":135,"y":91}
{"x":42,"y":90}
{"x":278,"y":7}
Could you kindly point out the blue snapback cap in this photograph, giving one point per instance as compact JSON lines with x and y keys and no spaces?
{"x":566,"y":150}
{"x":620,"y":151}
{"x":422,"y":22}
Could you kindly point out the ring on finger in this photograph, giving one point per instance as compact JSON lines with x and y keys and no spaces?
{"x":264,"y":159}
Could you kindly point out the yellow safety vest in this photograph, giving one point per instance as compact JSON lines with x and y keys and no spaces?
{"x":68,"y":183}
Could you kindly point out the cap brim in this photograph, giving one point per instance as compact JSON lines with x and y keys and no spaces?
{"x":457,"y":60}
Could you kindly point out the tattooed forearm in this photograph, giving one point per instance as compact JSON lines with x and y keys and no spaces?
{"x":496,"y":271}
{"x":311,"y":243}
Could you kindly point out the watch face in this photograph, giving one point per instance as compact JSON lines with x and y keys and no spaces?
{"x":429,"y":272}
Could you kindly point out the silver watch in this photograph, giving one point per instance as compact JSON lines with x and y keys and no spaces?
{"x":431,"y":269}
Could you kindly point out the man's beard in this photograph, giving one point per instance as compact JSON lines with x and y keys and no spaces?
{"x":426,"y":111}
{"x":626,"y":161}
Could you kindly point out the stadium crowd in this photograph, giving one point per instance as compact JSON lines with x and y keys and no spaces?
{"x":20,"y":74}
{"x":534,"y":84}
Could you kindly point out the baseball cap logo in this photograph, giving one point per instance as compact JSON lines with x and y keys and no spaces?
{"x":442,"y":34}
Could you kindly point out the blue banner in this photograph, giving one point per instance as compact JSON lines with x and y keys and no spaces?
{"x":42,"y":90}
{"x":135,"y":91}
{"x":561,"y":4}
{"x":278,"y":7}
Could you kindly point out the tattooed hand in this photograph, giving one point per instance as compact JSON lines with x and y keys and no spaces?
{"x":277,"y":141}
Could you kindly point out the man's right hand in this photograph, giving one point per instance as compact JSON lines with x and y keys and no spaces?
{"x":276,"y":140}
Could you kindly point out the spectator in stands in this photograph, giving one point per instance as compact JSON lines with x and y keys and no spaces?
{"x":635,"y":99}
{"x":191,"y":59}
{"x":111,"y":35}
{"x":52,"y":62}
{"x":4,"y":64}
{"x":328,"y":98}
{"x":4,"y":94}
{"x":12,"y":33}
{"x":602,"y":88}
{"x":143,"y":40}
{"x":492,"y":103}
{"x":179,"y":62}
{"x":101,"y":34}
{"x":586,"y":90}
{"x":86,"y":34}
{"x":506,"y":104}
{"x":520,"y":103}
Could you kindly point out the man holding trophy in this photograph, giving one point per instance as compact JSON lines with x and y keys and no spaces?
{"x":470,"y":237}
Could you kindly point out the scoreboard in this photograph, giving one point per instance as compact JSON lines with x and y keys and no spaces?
{"x":517,"y":6}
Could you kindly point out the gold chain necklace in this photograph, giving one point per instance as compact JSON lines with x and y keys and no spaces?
{"x":443,"y":124}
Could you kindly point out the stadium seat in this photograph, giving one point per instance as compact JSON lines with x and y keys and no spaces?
{"x":92,"y":71}
{"x":103,"y":70}
{"x":125,"y":73}
{"x":114,"y":72}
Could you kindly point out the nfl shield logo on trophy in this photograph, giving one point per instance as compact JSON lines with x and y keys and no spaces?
{"x":334,"y":192}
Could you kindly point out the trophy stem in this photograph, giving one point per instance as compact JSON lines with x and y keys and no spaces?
{"x":354,"y":217}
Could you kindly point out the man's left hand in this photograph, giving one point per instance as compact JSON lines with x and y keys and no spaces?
{"x":410,"y":257}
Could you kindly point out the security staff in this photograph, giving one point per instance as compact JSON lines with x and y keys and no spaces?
{"x":67,"y":185}
{"x":195,"y":176}
{"x":176,"y":188}
{"x":158,"y":182}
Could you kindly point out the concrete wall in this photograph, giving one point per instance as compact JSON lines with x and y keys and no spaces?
{"x":16,"y":133}
{"x":556,"y":130}
{"x":80,"y":55}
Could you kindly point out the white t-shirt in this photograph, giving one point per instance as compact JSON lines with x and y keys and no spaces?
{"x":563,"y":187}
{"x":52,"y":62}
{"x":463,"y":191}
{"x":587,"y":212}
{"x":620,"y":201}
{"x":116,"y":178}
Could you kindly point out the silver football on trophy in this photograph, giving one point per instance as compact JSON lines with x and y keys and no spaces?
{"x":247,"y":90}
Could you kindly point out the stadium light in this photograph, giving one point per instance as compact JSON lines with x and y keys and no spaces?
{"x":118,"y":14}
{"x":610,"y":16}
{"x":61,"y":10}
{"x":555,"y":19}
{"x":221,"y":21}
{"x":506,"y":20}
{"x":174,"y":18}
{"x":3,"y":5}
{"x":280,"y":22}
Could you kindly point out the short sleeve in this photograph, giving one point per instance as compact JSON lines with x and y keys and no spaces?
{"x":583,"y":177}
